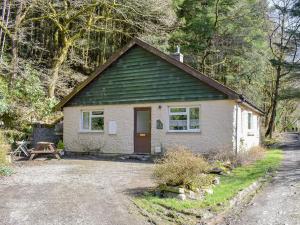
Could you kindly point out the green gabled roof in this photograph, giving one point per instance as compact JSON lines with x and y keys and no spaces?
{"x":141,"y":73}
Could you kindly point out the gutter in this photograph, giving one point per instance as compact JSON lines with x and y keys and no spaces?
{"x":242,"y":100}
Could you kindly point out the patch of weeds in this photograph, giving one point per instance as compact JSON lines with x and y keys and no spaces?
{"x":270,"y":141}
{"x":5,"y":171}
{"x":175,"y":210}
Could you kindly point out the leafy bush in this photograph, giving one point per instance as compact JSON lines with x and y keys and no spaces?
{"x":2,"y":155}
{"x":60,"y":145}
{"x":180,"y":167}
{"x":5,"y":171}
{"x":14,"y":135}
{"x":25,"y":103}
{"x":3,"y":149}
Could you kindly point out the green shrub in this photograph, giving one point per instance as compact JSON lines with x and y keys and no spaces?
{"x":2,"y":155}
{"x":60,"y":145}
{"x":12,"y":136}
{"x":3,"y":149}
{"x":180,"y":167}
{"x":5,"y":171}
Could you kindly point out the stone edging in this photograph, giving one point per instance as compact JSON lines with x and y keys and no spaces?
{"x":241,"y":198}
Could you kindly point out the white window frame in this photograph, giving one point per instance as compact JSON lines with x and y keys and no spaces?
{"x":251,"y":131}
{"x":187,"y":112}
{"x":90,"y":120}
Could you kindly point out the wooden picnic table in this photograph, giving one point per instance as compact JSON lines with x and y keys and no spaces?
{"x":44,"y":148}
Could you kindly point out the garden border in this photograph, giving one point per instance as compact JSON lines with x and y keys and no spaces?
{"x":243,"y":197}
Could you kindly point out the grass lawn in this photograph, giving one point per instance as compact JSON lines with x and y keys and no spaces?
{"x":177,"y":211}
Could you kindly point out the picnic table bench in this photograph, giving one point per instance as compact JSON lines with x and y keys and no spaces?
{"x":21,"y":149}
{"x":44,"y":148}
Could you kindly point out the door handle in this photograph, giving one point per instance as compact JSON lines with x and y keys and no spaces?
{"x":142,"y":135}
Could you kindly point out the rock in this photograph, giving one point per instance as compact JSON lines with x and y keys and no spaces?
{"x":216,"y":170}
{"x":192,"y":195}
{"x":178,"y":190}
{"x":216,"y":181}
{"x":174,"y":195}
{"x":181,"y":190}
{"x":171,"y":215}
{"x":180,"y":193}
{"x":195,"y":195}
{"x":139,"y":157}
{"x":209,"y":191}
{"x":228,"y":165}
{"x":158,"y":194}
{"x":206,"y":215}
{"x":181,"y":197}
{"x":167,"y":194}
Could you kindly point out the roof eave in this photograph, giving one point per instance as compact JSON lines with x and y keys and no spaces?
{"x":250,"y":105}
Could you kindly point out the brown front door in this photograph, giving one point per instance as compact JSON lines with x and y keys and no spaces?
{"x":142,"y":130}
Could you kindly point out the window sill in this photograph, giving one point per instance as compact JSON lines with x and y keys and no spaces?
{"x":90,"y":131}
{"x":184,"y":131}
{"x":250,"y":134}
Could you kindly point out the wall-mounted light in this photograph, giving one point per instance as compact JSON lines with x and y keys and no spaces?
{"x":159,"y":106}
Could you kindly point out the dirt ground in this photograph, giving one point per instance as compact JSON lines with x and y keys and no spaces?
{"x":73,"y":192}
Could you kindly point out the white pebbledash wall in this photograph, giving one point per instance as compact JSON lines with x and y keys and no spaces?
{"x":217,"y":125}
{"x":246,"y":138}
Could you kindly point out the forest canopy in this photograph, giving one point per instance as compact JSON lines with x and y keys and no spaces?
{"x":48,"y":47}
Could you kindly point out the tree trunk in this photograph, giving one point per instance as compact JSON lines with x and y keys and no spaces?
{"x":14,"y":61}
{"x":271,"y":124}
{"x":57,"y":63}
{"x":14,"y":44}
{"x":3,"y":17}
{"x":2,"y":42}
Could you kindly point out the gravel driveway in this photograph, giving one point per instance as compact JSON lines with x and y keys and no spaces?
{"x":73,"y":192}
{"x":279,"y":202}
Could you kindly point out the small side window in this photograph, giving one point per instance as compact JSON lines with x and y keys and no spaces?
{"x":250,"y":121}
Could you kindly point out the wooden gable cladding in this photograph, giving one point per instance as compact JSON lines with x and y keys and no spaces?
{"x":139,"y":76}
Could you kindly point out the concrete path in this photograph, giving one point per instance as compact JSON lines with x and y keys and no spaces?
{"x":71,"y":192}
{"x":279,"y":202}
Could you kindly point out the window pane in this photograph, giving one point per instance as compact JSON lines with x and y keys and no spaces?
{"x":97,"y":123}
{"x":178,"y":122}
{"x":175,"y":110}
{"x":194,"y":118}
{"x":143,"y":122}
{"x":249,"y":121}
{"x":97,"y":113}
{"x":85,"y":120}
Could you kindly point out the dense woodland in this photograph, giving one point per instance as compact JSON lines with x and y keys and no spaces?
{"x":49,"y":46}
